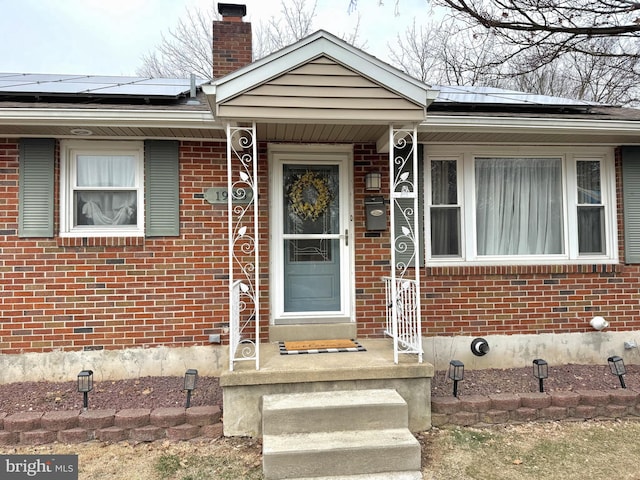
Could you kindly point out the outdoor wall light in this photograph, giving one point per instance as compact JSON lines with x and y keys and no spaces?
{"x":616,"y":364}
{"x":540,"y":371}
{"x":479,"y":347}
{"x":190,"y":381}
{"x":81,"y":132}
{"x":456,"y":373}
{"x":373,"y":181}
{"x":599,"y":323}
{"x":85,"y":385}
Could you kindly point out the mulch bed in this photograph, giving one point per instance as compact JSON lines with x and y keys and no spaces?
{"x":144,"y":392}
{"x":157,"y":392}
{"x":521,"y":380}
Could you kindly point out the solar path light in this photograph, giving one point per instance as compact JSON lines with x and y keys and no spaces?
{"x":456,"y":373}
{"x":85,"y":385}
{"x":190,"y":381}
{"x":540,"y":371}
{"x":616,"y":364}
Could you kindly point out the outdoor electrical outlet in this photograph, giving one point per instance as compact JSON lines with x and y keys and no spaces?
{"x":214,"y":338}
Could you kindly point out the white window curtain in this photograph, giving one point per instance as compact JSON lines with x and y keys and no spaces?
{"x":445,"y":212}
{"x":591,"y":239}
{"x":519,"y":206}
{"x":106,"y":190}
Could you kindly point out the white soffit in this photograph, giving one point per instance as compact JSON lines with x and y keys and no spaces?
{"x":517,"y":125}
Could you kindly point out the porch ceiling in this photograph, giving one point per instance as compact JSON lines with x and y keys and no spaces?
{"x":270,"y":132}
{"x":334,"y":133}
{"x":321,"y":133}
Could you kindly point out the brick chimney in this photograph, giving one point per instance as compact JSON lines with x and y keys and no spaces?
{"x":231,"y":40}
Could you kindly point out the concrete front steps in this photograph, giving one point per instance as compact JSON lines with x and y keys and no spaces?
{"x":355,"y":435}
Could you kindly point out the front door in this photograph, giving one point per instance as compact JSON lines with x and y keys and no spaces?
{"x":310,"y":237}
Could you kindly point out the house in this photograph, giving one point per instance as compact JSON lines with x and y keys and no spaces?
{"x":507,"y":216}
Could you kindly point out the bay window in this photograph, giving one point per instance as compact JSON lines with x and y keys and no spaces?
{"x":551,"y":205}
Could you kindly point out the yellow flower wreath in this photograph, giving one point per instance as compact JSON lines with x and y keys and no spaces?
{"x":306,"y":209}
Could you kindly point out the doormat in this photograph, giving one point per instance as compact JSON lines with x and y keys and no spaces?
{"x":320,"y":346}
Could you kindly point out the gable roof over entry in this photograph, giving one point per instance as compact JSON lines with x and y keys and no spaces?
{"x":319,"y":79}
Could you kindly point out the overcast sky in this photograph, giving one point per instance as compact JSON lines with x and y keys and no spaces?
{"x":109,"y":37}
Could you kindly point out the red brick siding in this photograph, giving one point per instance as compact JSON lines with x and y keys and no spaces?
{"x":372,"y":249}
{"x":231,"y":47}
{"x":533,"y":299}
{"x":70,"y":294}
{"x":495,"y":300}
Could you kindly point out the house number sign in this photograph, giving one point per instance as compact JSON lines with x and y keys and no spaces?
{"x":216,"y":195}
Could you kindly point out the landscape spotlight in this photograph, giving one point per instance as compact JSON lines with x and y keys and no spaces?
{"x":190,"y":381}
{"x":85,"y":385}
{"x":456,"y":373}
{"x":616,"y":364}
{"x":540,"y":371}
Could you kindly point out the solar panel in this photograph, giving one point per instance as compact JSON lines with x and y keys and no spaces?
{"x":114,"y":86}
{"x":498,"y":96}
{"x":94,"y":85}
{"x":60,"y":88}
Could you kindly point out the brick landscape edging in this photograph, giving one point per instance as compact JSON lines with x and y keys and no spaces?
{"x":477,"y":410}
{"x":140,"y":425}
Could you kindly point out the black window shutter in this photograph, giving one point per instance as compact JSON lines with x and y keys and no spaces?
{"x":631,"y":203}
{"x":35,"y":209}
{"x":406,"y":256}
{"x":162,"y":191}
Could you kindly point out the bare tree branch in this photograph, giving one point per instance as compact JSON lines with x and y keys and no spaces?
{"x":187,"y":48}
{"x":294,"y":22}
{"x":558,"y":24}
{"x":455,"y":53}
{"x":184,"y":50}
{"x":579,"y":17}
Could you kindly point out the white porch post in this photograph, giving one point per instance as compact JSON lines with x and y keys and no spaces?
{"x":242,"y":207}
{"x":404,"y":285}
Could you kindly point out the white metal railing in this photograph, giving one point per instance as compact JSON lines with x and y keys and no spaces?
{"x":404,"y":326}
{"x":234,"y":320}
{"x":244,"y":284}
{"x":240,"y":349}
{"x":403,"y":285}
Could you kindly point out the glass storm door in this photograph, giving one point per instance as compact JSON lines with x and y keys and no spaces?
{"x":311,"y":238}
{"x":311,"y":251}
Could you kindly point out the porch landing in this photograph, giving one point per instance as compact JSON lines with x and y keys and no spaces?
{"x":244,"y":387}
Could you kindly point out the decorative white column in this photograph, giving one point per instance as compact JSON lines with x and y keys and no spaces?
{"x":405,"y":245}
{"x":244,"y":280}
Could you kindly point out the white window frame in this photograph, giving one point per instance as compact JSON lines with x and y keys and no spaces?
{"x":569,"y":155}
{"x":69,"y":151}
{"x":428,"y":197}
